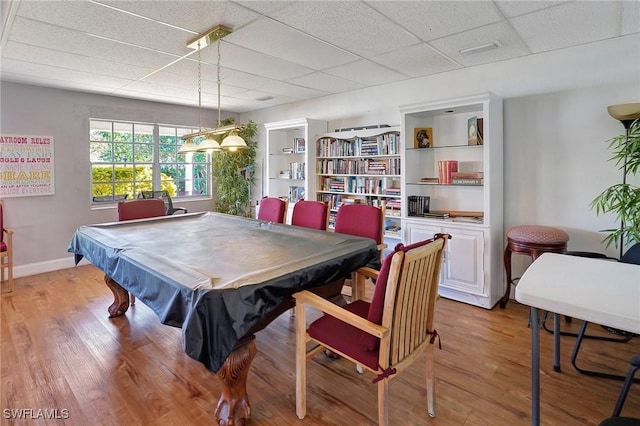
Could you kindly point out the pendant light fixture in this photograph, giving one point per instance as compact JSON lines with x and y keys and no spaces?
{"x":190,"y":145}
{"x":232,"y":142}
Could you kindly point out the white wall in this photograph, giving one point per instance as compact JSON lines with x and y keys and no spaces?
{"x":555,"y":127}
{"x":43,"y":225}
{"x":555,"y":132}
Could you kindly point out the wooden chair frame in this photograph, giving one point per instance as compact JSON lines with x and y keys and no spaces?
{"x":6,"y":257}
{"x":406,"y":331}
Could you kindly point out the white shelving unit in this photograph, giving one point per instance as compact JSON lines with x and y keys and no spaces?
{"x":473,"y":269}
{"x":362,"y":166}
{"x":298,"y":136}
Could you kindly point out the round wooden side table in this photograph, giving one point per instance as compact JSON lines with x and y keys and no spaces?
{"x":532,"y":240}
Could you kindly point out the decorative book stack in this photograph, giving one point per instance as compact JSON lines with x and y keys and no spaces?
{"x":445,"y":169}
{"x":467,"y":178}
{"x":418,"y":205}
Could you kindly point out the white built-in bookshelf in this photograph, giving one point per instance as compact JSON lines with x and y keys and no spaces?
{"x":361,"y":166}
{"x":454,"y":184}
{"x":289,"y":169}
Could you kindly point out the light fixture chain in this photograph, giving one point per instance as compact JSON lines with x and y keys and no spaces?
{"x":199,"y":90}
{"x":218,"y":82}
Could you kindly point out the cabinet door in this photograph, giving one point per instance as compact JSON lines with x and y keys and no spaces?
{"x":419,"y":232}
{"x":464,"y":266}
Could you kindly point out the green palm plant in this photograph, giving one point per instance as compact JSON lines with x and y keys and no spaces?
{"x":231,"y":182}
{"x":623,"y":199}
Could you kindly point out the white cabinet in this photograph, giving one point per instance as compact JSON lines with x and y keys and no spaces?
{"x":466,"y":203}
{"x":289,"y":171}
{"x":362,"y":166}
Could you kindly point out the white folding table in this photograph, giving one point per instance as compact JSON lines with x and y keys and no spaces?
{"x":594,"y":290}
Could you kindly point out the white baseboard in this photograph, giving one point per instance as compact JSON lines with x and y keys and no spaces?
{"x":48,"y":266}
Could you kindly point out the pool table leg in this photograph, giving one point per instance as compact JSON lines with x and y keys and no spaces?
{"x":233,"y":406}
{"x":120,"y":298}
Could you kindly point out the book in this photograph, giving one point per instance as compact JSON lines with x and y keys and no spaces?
{"x":429,"y":180}
{"x":437,"y":215}
{"x":445,"y":169}
{"x":467,"y":175}
{"x":467,"y":181}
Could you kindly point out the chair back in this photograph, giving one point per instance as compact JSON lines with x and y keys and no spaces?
{"x":140,"y":209}
{"x":361,"y":220}
{"x":166,"y":198}
{"x":1,"y":226}
{"x":632,"y":255}
{"x":410,"y":296}
{"x":310,"y":214}
{"x":273,"y":209}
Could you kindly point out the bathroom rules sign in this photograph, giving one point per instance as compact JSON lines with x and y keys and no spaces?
{"x":26,"y":165}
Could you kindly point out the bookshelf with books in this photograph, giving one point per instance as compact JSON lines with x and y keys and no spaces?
{"x":452,"y":182}
{"x":289,"y":166}
{"x":362,"y":166}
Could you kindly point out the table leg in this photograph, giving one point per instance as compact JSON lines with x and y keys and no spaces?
{"x":556,"y":342}
{"x":120,"y":298}
{"x":535,"y":368}
{"x":233,"y":406}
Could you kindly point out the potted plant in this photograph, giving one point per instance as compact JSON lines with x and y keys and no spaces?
{"x":233,"y":174}
{"x":623,"y":199}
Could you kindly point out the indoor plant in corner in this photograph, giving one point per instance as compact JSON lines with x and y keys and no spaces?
{"x":623,"y":199}
{"x":233,"y":174}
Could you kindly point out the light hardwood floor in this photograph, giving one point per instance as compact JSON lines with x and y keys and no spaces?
{"x":60,"y":351}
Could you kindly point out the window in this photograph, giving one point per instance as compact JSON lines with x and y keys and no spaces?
{"x":127,"y":158}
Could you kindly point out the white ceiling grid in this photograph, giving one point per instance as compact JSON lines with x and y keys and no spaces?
{"x":281,"y":51}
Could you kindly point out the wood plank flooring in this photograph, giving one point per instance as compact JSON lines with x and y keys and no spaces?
{"x":60,"y":351}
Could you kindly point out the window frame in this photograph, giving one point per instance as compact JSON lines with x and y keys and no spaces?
{"x":132,"y":141}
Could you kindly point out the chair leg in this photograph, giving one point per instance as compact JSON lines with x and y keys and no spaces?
{"x":301,"y":360}
{"x":383,"y":405}
{"x":431,"y":388}
{"x":507,"y":267}
{"x":635,"y":365}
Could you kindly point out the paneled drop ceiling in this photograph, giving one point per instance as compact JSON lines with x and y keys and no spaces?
{"x":281,"y":51}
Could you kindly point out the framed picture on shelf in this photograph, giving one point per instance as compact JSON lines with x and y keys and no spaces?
{"x":299,"y":145}
{"x":474,"y":130}
{"x":422,"y":137}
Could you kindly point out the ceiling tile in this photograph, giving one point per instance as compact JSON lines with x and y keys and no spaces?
{"x":251,"y":61}
{"x":63,"y":60}
{"x":416,"y":61}
{"x":327,"y":83}
{"x":519,"y":7}
{"x":430,"y":20}
{"x":196,"y":16}
{"x":569,"y":24}
{"x":510,"y":45}
{"x":630,"y":17}
{"x":366,"y":72}
{"x":351,"y":25}
{"x":90,"y":18}
{"x":64,"y":40}
{"x":264,"y":7}
{"x":291,"y":90}
{"x":288,"y":44}
{"x":81,"y":79}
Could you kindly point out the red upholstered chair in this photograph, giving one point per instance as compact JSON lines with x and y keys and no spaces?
{"x":310,"y":214}
{"x":140,"y":209}
{"x":361,"y":220}
{"x":6,"y":252}
{"x":273,"y":209}
{"x":386,"y":335}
